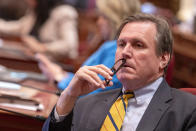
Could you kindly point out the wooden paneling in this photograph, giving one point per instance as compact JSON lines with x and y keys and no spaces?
{"x":185,"y":59}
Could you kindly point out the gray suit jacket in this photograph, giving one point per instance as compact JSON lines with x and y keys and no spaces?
{"x":169,"y":110}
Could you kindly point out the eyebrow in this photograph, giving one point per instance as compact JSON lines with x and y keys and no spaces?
{"x":132,"y":40}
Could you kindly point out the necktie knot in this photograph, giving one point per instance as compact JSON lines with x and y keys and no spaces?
{"x":128,"y":95}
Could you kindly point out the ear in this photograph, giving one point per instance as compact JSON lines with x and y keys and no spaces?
{"x":164,"y":59}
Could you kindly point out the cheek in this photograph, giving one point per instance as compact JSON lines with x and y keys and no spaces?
{"x":143,"y":62}
{"x":149,"y":63}
{"x":141,"y":59}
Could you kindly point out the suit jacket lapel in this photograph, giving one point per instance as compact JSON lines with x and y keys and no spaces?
{"x":101,"y":108}
{"x":157,"y":107}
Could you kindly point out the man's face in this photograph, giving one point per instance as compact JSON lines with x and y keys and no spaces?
{"x":136,"y":44}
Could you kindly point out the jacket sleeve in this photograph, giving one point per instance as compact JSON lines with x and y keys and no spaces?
{"x":51,"y":125}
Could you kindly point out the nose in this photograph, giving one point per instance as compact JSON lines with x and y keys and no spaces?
{"x":127,"y":51}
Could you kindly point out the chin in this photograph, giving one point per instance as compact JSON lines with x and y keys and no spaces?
{"x":125,"y":76}
{"x":126,"y":79}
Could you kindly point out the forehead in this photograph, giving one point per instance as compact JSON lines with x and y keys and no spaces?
{"x":138,"y":29}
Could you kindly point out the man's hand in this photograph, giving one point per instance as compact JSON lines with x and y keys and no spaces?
{"x":85,"y":81}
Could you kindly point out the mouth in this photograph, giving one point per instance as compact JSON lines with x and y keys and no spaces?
{"x":128,"y":66}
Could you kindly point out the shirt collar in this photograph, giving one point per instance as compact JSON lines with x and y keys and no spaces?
{"x":146,"y":93}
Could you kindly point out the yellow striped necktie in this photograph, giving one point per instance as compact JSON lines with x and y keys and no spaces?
{"x":115,"y":116}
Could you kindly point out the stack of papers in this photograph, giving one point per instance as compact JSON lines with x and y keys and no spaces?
{"x":13,"y":95}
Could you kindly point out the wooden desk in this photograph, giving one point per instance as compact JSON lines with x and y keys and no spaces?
{"x":185,"y":59}
{"x":31,"y":122}
{"x":14,"y":55}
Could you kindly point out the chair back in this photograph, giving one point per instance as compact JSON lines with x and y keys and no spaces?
{"x":190,"y":90}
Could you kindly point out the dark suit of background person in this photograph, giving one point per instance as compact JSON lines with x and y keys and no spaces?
{"x":169,"y":109}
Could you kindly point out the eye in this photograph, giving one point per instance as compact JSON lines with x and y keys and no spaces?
{"x":138,"y":44}
{"x":121,"y":43}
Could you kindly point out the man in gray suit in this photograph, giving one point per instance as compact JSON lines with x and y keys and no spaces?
{"x":145,"y":41}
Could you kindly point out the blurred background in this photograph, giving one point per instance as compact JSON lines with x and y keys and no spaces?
{"x":42,"y":40}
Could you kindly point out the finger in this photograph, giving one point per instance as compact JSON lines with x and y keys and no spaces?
{"x":110,"y":83}
{"x":95,"y":77}
{"x":105,"y":68}
{"x":100,"y":71}
{"x":90,"y":80}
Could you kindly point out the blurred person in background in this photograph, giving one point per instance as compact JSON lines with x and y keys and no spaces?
{"x":49,"y":27}
{"x":187,"y":15}
{"x":150,"y":8}
{"x":111,"y":13}
{"x":7,"y":7}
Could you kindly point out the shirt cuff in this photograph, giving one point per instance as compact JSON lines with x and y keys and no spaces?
{"x":58,"y":117}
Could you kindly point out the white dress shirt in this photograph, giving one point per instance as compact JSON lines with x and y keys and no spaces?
{"x":138,"y":105}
